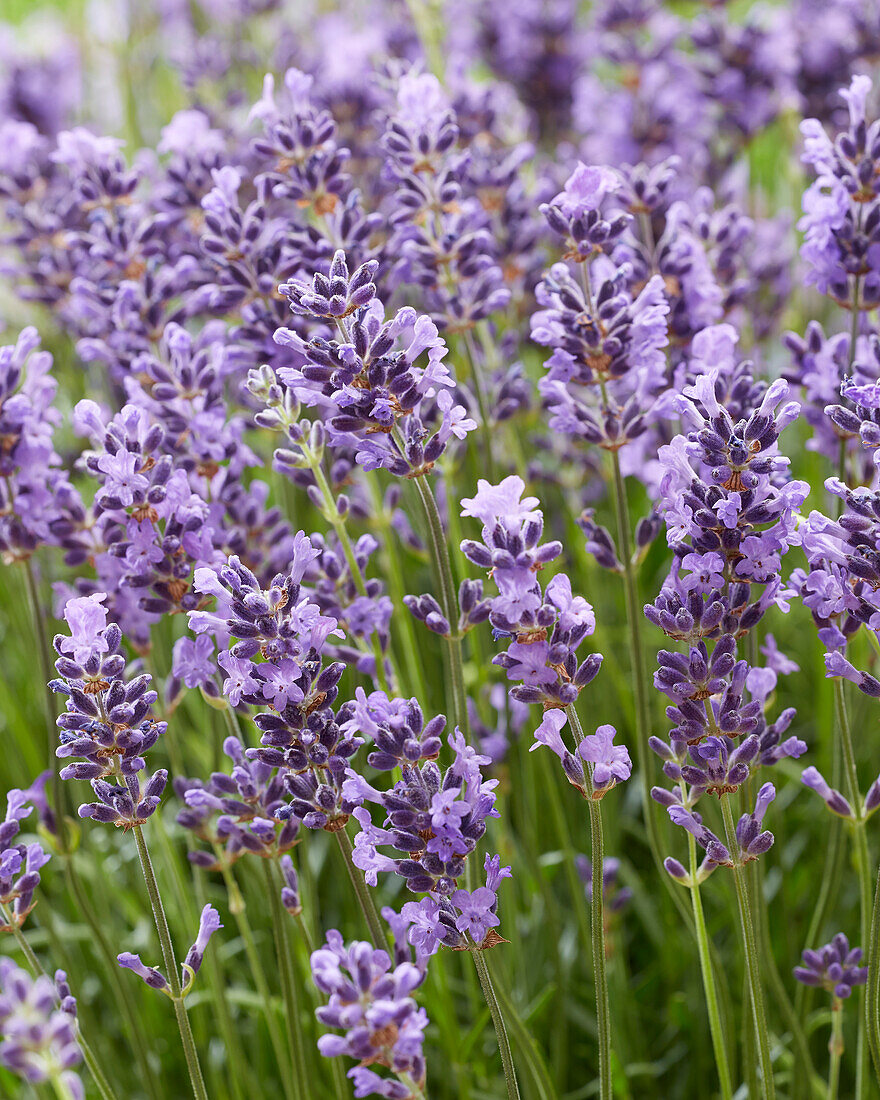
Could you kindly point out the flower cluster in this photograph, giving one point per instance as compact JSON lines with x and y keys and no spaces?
{"x":375,"y":394}
{"x":434,"y":819}
{"x":546,"y":626}
{"x":108,"y":723}
{"x":833,"y":967}
{"x":606,"y":375}
{"x":38,"y":1028}
{"x":841,"y":222}
{"x":370,"y":1000}
{"x":731,"y":515}
{"x":236,"y":813}
{"x":31,"y":480}
{"x":19,"y":863}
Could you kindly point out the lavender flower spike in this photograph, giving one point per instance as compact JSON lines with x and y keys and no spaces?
{"x":834,"y":967}
{"x":372,"y":1003}
{"x":39,"y":1037}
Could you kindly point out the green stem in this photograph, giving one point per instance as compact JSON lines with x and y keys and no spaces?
{"x":597,"y":926}
{"x":872,"y":990}
{"x":482,"y":404}
{"x":526,"y":1045}
{"x":803,"y":1062}
{"x":365,"y":898}
{"x":235,"y":1068}
{"x":288,"y":981}
{"x":121,"y":991}
{"x":831,"y":871}
{"x":835,"y":1047}
{"x":634,"y":619}
{"x":416,"y":1092}
{"x":171,"y":972}
{"x":597,"y":919}
{"x":860,"y":849}
{"x":232,"y":727}
{"x":61,"y":1090}
{"x":393,"y":572}
{"x":338,"y":524}
{"x":854,"y":322}
{"x":237,"y":909}
{"x":719,"y":1044}
{"x":575,"y":886}
{"x":489,"y":994}
{"x":448,"y":598}
{"x":744,"y":903}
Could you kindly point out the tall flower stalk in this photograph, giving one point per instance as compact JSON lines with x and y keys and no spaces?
{"x":176,"y":992}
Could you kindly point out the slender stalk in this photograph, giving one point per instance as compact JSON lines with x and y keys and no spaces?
{"x":835,"y":1047}
{"x":854,"y":322}
{"x":61,"y":1089}
{"x":288,"y":981}
{"x":365,"y":898}
{"x":338,"y":525}
{"x":443,"y":570}
{"x":237,"y":909}
{"x":171,"y":972}
{"x":860,"y":848}
{"x":803,"y":1061}
{"x":448,"y":598}
{"x":95,"y":1069}
{"x":597,"y":919}
{"x":482,"y":404}
{"x":597,"y":928}
{"x":526,"y":1045}
{"x":393,"y":571}
{"x":872,"y":990}
{"x":719,"y":1044}
{"x":491,"y":998}
{"x":831,"y":871}
{"x":45,"y":666}
{"x":634,"y":619}
{"x":232,"y":727}
{"x":575,"y":886}
{"x":235,"y":1070}
{"x":744,"y":903}
{"x":121,"y":991}
{"x":416,"y":1092}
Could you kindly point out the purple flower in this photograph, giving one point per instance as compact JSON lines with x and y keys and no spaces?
{"x":108,"y":722}
{"x":833,"y":799}
{"x":611,"y":763}
{"x":586,"y":188}
{"x":193,"y":661}
{"x":500,"y":503}
{"x":38,"y":1028}
{"x":237,"y":812}
{"x":833,"y":967}
{"x":209,"y":923}
{"x":86,"y":619}
{"x":149,"y":974}
{"x":476,"y":912}
{"x":372,"y":1004}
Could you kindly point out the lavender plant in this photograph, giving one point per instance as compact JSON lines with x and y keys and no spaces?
{"x":347,"y":349}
